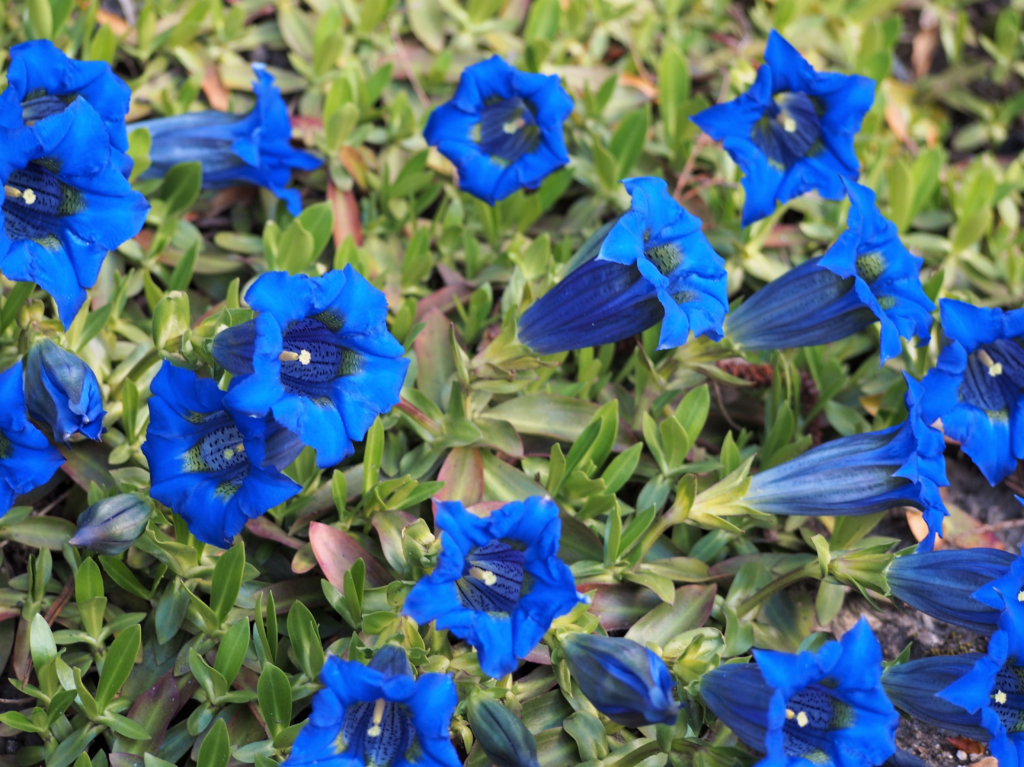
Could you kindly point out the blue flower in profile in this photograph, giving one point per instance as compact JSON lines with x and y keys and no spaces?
{"x":902,"y":465}
{"x":826,"y":709}
{"x":499,"y":582}
{"x":42,"y":81}
{"x":27,"y":459}
{"x":318,"y":357}
{"x":977,"y":386}
{"x":502,"y":129}
{"x":66,"y":204}
{"x":914,"y":688}
{"x":378,"y":715}
{"x":253,"y":148}
{"x":792,"y":131}
{"x":217,"y":470}
{"x":867,"y":276}
{"x":652,"y":265}
{"x":62,"y":391}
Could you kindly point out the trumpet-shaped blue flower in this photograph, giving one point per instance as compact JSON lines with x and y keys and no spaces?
{"x":318,"y":356}
{"x":378,"y":716}
{"x":62,"y":391}
{"x":902,"y":465}
{"x":826,"y":709}
{"x":945,"y":584}
{"x":499,"y":582}
{"x":27,"y":459}
{"x":253,"y":148}
{"x":913,"y":688}
{"x":977,"y":387}
{"x":216,"y":469}
{"x":623,"y":679}
{"x":792,"y":131}
{"x":66,"y":204}
{"x":867,"y":276}
{"x":654,"y":264}
{"x":502,"y":129}
{"x":42,"y":81}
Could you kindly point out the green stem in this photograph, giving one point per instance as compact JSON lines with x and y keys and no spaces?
{"x":809,"y":570}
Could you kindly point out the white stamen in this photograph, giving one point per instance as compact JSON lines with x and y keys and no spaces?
{"x":305,"y":357}
{"x":28,"y":196}
{"x":788,"y":123}
{"x":288,"y":356}
{"x":1020,"y":595}
{"x":1000,"y":697}
{"x":802,"y":719}
{"x":378,"y":716}
{"x":229,"y":454}
{"x":790,"y":714}
{"x":994,"y":368}
{"x":513,"y":125}
{"x":488,"y":578}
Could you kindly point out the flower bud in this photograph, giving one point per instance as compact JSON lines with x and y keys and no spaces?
{"x":624,"y":680}
{"x":62,"y":391}
{"x":112,"y":525}
{"x":171,"y":318}
{"x":501,"y":734}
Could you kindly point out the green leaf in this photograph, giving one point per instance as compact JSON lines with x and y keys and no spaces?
{"x":372,"y":453}
{"x":118,"y":665}
{"x":13,"y":301}
{"x":628,"y":140}
{"x":181,"y":188}
{"x":232,"y":650}
{"x":275,"y":698}
{"x":621,"y":469}
{"x":227,"y":581}
{"x":181,"y":277}
{"x":216,"y":748}
{"x":44,"y":649}
{"x":305,"y":636}
{"x":128,"y":728}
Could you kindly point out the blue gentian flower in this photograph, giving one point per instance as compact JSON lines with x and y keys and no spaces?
{"x":214,"y":468}
{"x":944,"y":584}
{"x":623,"y":679}
{"x":502,"y":129}
{"x":253,"y":148}
{"x":66,"y":204}
{"x":902,"y":465}
{"x":977,"y":387}
{"x":62,"y":391}
{"x":42,"y":81}
{"x":112,"y":525}
{"x":913,"y":688}
{"x":792,"y":131}
{"x":653,"y":265}
{"x":867,"y":276}
{"x":378,"y":716}
{"x":27,"y":459}
{"x":825,"y":708}
{"x":499,"y":582}
{"x":319,"y":357}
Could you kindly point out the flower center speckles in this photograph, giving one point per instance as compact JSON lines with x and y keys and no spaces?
{"x":665,"y":257}
{"x":34,"y":198}
{"x":313,"y":357}
{"x":1008,"y":697}
{"x":789,"y":129}
{"x":810,"y":714}
{"x":5,"y":447}
{"x":379,"y":731}
{"x":508,"y":129}
{"x":220,"y":451}
{"x":493,"y":578}
{"x":994,"y":377}
{"x":870,"y":266}
{"x":39,"y":104}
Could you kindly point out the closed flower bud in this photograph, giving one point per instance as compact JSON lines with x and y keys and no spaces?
{"x":624,"y":680}
{"x":501,"y":734}
{"x":112,"y":525}
{"x":62,"y":391}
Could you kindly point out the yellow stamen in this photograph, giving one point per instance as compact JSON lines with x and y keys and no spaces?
{"x":1000,"y":697}
{"x":994,"y":368}
{"x":788,"y":123}
{"x":229,"y":454}
{"x":28,"y":196}
{"x":288,"y":356}
{"x":240,"y":448}
{"x":378,"y":717}
{"x":802,"y":719}
{"x":305,"y":357}
{"x":790,"y":714}
{"x":513,"y":125}
{"x":486,"y":576}
{"x":1020,"y":595}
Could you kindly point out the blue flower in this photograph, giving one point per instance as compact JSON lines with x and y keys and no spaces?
{"x":902,"y":465}
{"x":913,"y":688}
{"x":623,"y":679}
{"x":42,"y":81}
{"x":792,"y":131}
{"x":826,"y":709}
{"x":319,"y":357}
{"x":378,"y":715}
{"x":653,"y":265}
{"x":499,"y":582}
{"x":867,"y":276}
{"x":62,"y":391}
{"x":944,"y":584}
{"x":502,"y":129}
{"x":66,"y":204}
{"x":215,"y":469}
{"x":27,"y":459}
{"x":977,"y":387}
{"x":253,"y":148}
{"x":112,"y":525}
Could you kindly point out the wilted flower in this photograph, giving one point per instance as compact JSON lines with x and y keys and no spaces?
{"x":253,"y":148}
{"x":112,"y":525}
{"x":943,"y":584}
{"x":215,"y":469}
{"x":378,"y":715}
{"x":27,"y":459}
{"x":867,"y":276}
{"x":827,"y":708}
{"x":977,"y":387}
{"x":66,"y":204}
{"x":864,"y":473}
{"x":623,"y":679}
{"x":318,"y":356}
{"x":913,"y":688}
{"x":654,"y":265}
{"x":499,"y":582}
{"x":62,"y":391}
{"x":502,"y":129}
{"x":792,"y":131}
{"x":500,"y":733}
